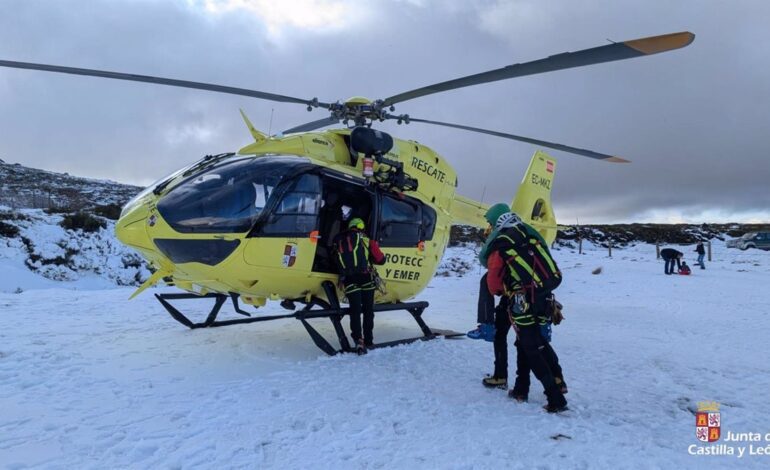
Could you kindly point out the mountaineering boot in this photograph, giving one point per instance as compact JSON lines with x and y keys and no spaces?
{"x":555,"y":408}
{"x":485,"y":331}
{"x":488,"y":332}
{"x":490,"y":381}
{"x":518,"y":396}
{"x":476,"y":333}
{"x":360,"y":347}
{"x":556,"y":402}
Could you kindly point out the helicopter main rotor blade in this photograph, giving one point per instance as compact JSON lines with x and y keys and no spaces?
{"x":313,"y":125}
{"x":540,"y":143}
{"x":566,"y":60}
{"x":162,"y":81}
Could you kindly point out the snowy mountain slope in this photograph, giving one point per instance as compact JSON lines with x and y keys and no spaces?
{"x":24,"y":187}
{"x":42,"y":251}
{"x":91,"y":380}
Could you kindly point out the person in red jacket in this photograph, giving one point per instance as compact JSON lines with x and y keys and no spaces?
{"x":355,"y":255}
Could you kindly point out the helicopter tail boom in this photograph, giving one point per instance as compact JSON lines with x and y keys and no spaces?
{"x":468,"y":212}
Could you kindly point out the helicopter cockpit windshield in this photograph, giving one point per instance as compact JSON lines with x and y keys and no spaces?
{"x":227,"y":197}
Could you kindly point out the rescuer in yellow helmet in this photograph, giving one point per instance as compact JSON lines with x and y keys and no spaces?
{"x":355,"y":255}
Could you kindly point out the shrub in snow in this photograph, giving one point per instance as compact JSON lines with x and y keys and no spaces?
{"x":458,"y":261}
{"x":454,"y":266}
{"x":59,"y":210}
{"x":6,"y":215}
{"x":8,"y":230}
{"x":110,"y":211}
{"x":83,"y":221}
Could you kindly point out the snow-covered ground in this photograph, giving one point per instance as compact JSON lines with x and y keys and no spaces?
{"x":91,"y":380}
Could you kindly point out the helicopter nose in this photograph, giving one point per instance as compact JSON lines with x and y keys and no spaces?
{"x":131,"y":229}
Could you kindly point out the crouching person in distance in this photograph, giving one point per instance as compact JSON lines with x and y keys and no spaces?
{"x":671,"y":256}
{"x":520,"y":268}
{"x":355,"y":255}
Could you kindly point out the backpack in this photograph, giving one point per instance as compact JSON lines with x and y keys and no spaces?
{"x":352,"y":253}
{"x":528,"y":260}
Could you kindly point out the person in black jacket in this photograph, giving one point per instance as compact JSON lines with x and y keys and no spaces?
{"x":701,"y":254}
{"x":355,"y":255}
{"x":670,"y":256}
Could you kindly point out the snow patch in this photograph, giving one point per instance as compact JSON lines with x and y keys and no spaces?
{"x":48,"y":251}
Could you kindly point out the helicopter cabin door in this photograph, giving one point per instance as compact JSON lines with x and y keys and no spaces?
{"x":284,"y":242}
{"x":405,"y":225}
{"x":343,"y":200}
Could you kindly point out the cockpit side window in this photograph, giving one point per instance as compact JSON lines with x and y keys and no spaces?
{"x":227,"y":198}
{"x":297,"y":211}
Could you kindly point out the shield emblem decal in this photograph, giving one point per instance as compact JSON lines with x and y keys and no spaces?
{"x":289,"y":255}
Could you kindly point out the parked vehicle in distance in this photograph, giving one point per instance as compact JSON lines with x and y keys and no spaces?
{"x":759,"y":240}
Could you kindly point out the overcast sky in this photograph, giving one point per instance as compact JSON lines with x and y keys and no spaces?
{"x":695,"y":122}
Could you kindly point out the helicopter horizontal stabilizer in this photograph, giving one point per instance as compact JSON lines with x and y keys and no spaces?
{"x":533,"y":200}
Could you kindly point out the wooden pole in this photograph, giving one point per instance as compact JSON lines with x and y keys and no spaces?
{"x":609,"y":245}
{"x":657,"y":250}
{"x":580,"y":246}
{"x":709,"y":242}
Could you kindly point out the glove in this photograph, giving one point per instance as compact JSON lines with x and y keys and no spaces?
{"x":556,"y":312}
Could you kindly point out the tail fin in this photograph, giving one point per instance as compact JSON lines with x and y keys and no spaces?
{"x":533,"y":200}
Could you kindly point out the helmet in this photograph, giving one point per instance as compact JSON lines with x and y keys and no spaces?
{"x":507,"y":220}
{"x":356,"y":223}
{"x":495,"y":212}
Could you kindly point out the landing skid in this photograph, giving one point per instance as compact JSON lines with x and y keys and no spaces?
{"x":331,"y":310}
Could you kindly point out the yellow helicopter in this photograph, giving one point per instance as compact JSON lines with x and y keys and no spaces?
{"x":257,"y":225}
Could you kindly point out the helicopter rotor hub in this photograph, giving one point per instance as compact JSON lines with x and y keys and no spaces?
{"x":359,"y":110}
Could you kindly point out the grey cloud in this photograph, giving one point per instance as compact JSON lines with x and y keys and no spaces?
{"x":692,"y":121}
